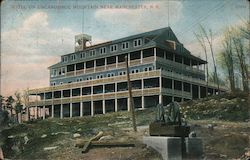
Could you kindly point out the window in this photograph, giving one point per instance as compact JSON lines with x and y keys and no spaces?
{"x":125,"y":45}
{"x":148,"y":68}
{"x":73,"y":57}
{"x":99,"y":76}
{"x":102,"y":50}
{"x":113,"y":48}
{"x":111,"y":60}
{"x":92,"y":53}
{"x":53,"y":83}
{"x":135,"y":55}
{"x":122,"y":73}
{"x":80,"y":66}
{"x":100,"y":62}
{"x":61,"y":83}
{"x":82,"y":55}
{"x":89,"y":64}
{"x":78,"y":79}
{"x":63,"y":71}
{"x":60,"y":71}
{"x":110,"y":74}
{"x":53,"y":73}
{"x":89,"y":78}
{"x":121,"y":58}
{"x":65,"y":59}
{"x":70,"y":68}
{"x":137,"y":42}
{"x":135,"y":71}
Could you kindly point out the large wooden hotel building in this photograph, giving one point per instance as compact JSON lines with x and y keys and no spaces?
{"x":92,"y":80}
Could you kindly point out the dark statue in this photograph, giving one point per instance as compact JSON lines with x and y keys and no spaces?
{"x":169,"y":122}
{"x":170,"y":115}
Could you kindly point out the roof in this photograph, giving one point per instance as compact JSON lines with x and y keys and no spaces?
{"x":158,"y":36}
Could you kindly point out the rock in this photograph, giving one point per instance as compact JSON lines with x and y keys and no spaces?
{"x":243,"y":100}
{"x":26,"y":139}
{"x":192,"y":134}
{"x":11,"y":136}
{"x":247,"y":154}
{"x":76,"y":135}
{"x":210,"y":126}
{"x":50,"y":148}
{"x":223,"y":156}
{"x":79,"y":130}
{"x":122,"y":117}
{"x":44,"y":135}
{"x":16,"y":147}
{"x":60,"y":133}
{"x":104,"y":138}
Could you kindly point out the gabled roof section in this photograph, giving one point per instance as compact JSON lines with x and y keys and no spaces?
{"x":150,"y":34}
{"x":55,"y":65}
{"x":154,"y":37}
{"x":168,"y":35}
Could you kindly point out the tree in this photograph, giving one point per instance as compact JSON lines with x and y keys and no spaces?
{"x":201,"y":40}
{"x":25,"y":98}
{"x":18,"y":107}
{"x":238,"y":42}
{"x":4,"y":118}
{"x":2,"y":106}
{"x":9,"y":104}
{"x":209,"y":39}
{"x":227,"y":58}
{"x":212,"y":77}
{"x":245,"y":30}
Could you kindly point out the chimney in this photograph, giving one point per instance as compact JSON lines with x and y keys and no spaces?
{"x":80,"y":41}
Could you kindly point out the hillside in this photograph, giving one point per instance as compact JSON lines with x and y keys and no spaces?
{"x":221,"y":122}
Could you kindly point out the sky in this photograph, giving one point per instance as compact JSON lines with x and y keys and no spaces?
{"x":35,"y":33}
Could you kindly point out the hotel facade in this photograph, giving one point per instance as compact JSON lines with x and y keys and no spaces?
{"x":92,"y":80}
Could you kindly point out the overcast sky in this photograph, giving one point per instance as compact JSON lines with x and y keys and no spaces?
{"x":35,"y":33}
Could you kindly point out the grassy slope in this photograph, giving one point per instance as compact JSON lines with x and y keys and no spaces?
{"x":227,"y":138}
{"x":228,"y":107}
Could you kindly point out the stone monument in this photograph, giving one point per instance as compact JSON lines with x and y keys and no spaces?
{"x":169,"y":134}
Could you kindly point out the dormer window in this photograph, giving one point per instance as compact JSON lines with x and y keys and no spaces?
{"x":103,"y":50}
{"x":113,"y":48}
{"x":54,"y":73}
{"x":137,"y":42}
{"x":65,"y":59}
{"x":60,"y":71}
{"x":92,"y":53}
{"x":125,"y":45}
{"x":63,"y":71}
{"x":171,"y":44}
{"x":73,"y":57}
{"x":82,"y":55}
